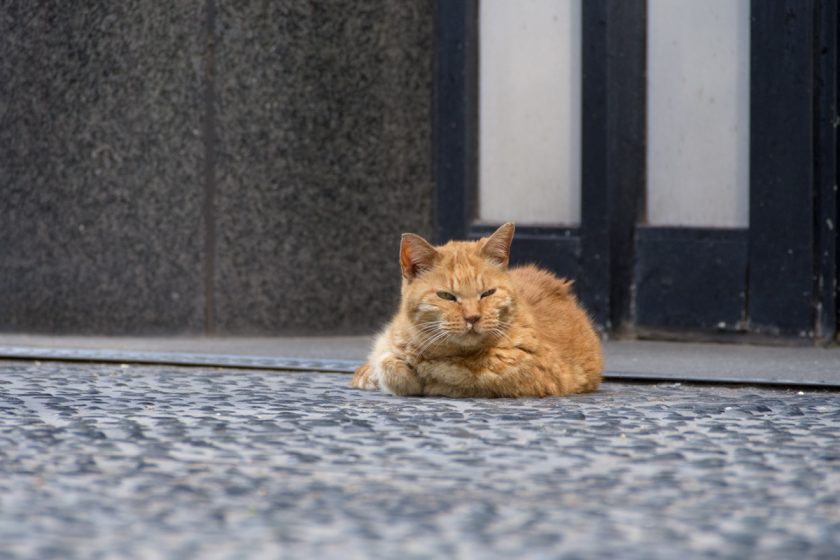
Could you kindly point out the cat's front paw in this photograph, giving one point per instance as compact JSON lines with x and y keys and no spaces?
{"x":398,"y":377}
{"x":364,"y":378}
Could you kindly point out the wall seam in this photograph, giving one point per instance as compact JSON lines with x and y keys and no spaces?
{"x":209,"y":186}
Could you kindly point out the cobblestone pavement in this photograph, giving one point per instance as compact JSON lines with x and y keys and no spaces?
{"x":163,"y":462}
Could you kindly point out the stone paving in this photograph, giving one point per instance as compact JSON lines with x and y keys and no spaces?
{"x":109,"y":461}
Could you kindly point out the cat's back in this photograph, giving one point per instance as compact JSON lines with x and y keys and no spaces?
{"x":561,"y":323}
{"x":540,"y":288}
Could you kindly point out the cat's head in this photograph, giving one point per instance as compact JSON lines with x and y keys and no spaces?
{"x":458,"y":294}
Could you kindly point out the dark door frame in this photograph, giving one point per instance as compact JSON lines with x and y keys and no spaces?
{"x":776,"y":278}
{"x":597,"y":253}
{"x":793,"y":168}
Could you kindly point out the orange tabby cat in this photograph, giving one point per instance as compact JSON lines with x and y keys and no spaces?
{"x":470,"y":327}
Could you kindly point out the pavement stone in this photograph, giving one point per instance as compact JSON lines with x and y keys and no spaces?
{"x":110,"y":461}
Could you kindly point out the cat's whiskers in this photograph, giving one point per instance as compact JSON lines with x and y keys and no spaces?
{"x":500,"y":333}
{"x":429,"y":342}
{"x":427,"y":328}
{"x":432,"y":341}
{"x":499,"y":329}
{"x":426,"y":331}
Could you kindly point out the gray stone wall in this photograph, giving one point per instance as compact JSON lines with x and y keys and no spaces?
{"x":209,"y":166}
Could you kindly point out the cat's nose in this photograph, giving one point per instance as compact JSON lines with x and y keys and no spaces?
{"x":472,"y":319}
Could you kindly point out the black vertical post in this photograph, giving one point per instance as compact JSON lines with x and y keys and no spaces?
{"x":826,"y":167}
{"x":626,"y":148}
{"x":781,"y":245}
{"x":613,"y":141}
{"x":595,"y":220}
{"x":613,"y":145}
{"x":455,"y":109}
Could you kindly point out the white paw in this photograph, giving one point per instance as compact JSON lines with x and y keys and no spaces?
{"x":376,"y":372}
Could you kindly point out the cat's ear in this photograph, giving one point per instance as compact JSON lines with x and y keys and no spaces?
{"x":496,"y":248}
{"x":416,"y":255}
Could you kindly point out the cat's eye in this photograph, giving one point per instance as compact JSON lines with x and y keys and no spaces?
{"x":488,"y":293}
{"x":447,"y":295}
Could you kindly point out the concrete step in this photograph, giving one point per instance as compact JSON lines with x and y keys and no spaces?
{"x":632,"y":359}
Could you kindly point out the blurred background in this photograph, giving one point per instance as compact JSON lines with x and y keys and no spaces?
{"x":246,"y":168}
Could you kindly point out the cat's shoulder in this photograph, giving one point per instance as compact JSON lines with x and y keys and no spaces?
{"x":532,"y":280}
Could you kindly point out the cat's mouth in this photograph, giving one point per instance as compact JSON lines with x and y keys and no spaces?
{"x":471,"y":333}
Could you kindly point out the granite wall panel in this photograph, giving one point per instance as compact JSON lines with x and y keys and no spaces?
{"x":323,"y":120}
{"x":157,"y":179}
{"x":101,"y":163}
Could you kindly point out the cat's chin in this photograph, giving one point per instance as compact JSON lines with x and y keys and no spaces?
{"x":471,"y":339}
